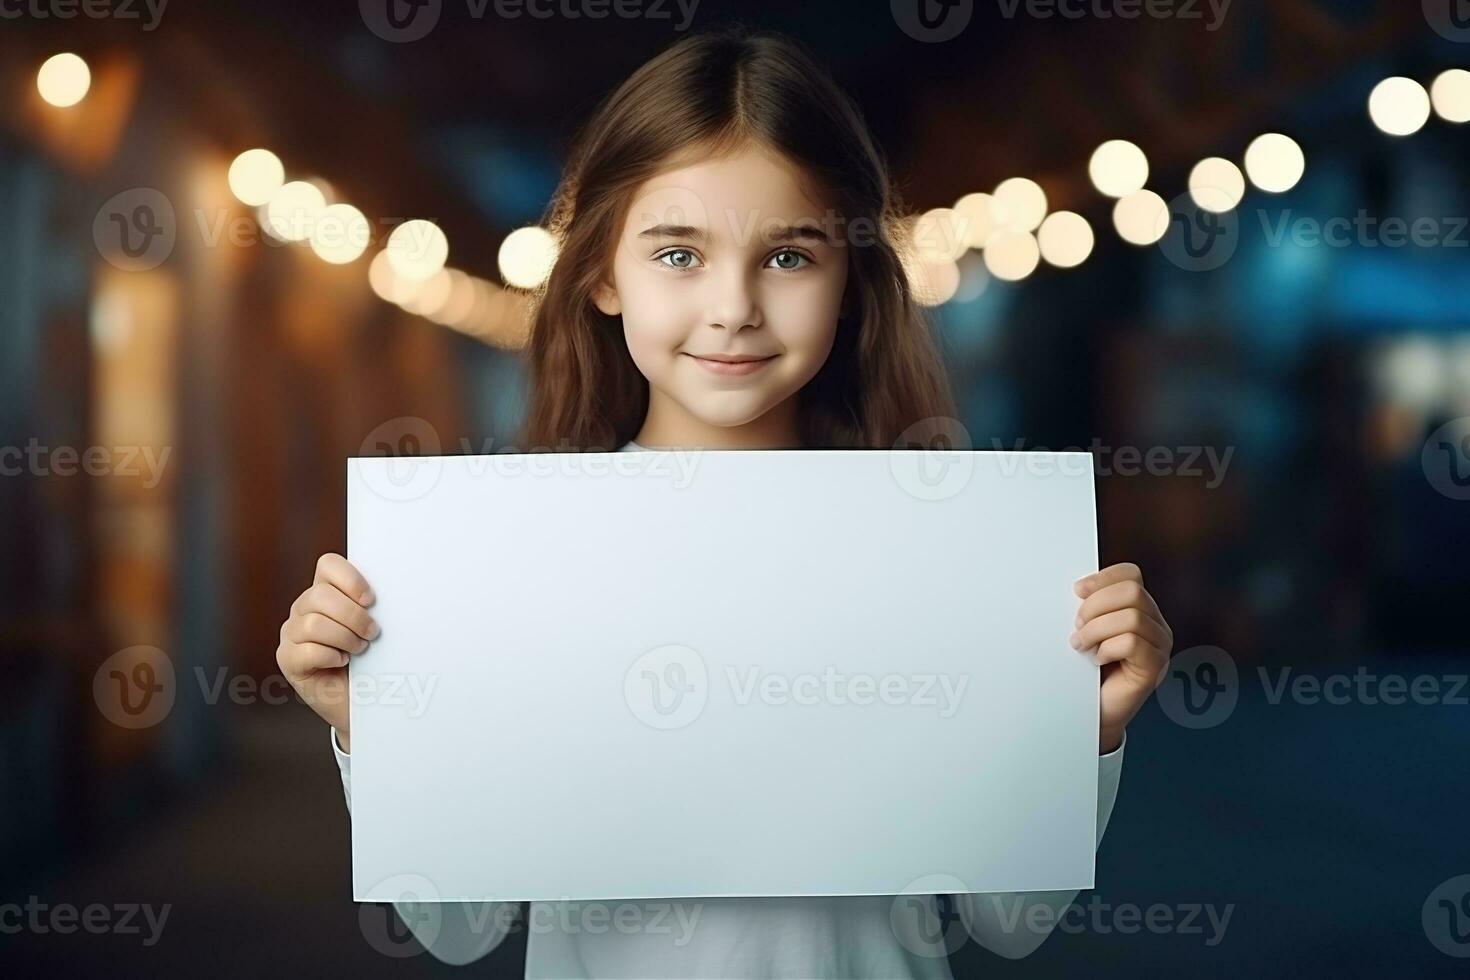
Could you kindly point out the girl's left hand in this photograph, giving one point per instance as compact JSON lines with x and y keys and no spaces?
{"x":1121,"y":627}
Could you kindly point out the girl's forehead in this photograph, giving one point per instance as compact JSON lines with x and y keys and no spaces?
{"x":748,"y":185}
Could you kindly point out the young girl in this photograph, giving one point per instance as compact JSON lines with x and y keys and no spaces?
{"x":728,"y":278}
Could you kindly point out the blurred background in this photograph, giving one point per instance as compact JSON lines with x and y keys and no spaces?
{"x":1223,"y":245}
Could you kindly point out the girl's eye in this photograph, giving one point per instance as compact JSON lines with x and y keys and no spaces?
{"x":682,"y":258}
{"x":795,"y":259}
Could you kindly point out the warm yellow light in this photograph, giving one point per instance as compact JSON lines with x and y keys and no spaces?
{"x":1118,"y":168}
{"x":1141,"y":218}
{"x":64,"y":80}
{"x":384,"y":281}
{"x":1022,"y":203}
{"x":1012,"y":255}
{"x":1065,"y":239}
{"x":939,"y":235}
{"x":456,"y":307}
{"x":980,"y":218}
{"x":428,"y":294}
{"x":1399,"y":106}
{"x":1274,"y":162}
{"x":1216,"y":184}
{"x":527,"y":256}
{"x":417,"y":249}
{"x":932,"y":283}
{"x":340,"y":234}
{"x":1450,"y":93}
{"x":293,"y":209}
{"x":255,"y":175}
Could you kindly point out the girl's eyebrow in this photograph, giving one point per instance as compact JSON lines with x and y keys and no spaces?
{"x":777,"y":233}
{"x":673,"y":231}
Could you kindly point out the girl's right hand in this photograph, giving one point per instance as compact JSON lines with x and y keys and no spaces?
{"x":329,"y":623}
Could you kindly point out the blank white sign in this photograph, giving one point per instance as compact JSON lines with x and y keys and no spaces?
{"x":722,"y":673}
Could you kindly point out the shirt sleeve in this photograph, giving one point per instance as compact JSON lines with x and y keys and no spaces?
{"x":1014,"y":924}
{"x":453,"y":932}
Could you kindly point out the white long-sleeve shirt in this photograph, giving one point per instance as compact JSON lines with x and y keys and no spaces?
{"x":794,"y":938}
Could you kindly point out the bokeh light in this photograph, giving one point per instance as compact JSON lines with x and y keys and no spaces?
{"x":1012,"y":255}
{"x":1118,"y":168}
{"x":64,"y":79}
{"x":526,"y":257}
{"x":1399,"y":106}
{"x":1021,"y":202}
{"x":417,"y":249}
{"x":1216,"y":184}
{"x":255,"y":175}
{"x":1065,"y":239}
{"x":1450,"y":95}
{"x":293,"y":209}
{"x":1141,"y":218}
{"x":1274,"y":162}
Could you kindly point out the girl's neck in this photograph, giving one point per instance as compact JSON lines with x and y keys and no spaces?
{"x":669,"y":426}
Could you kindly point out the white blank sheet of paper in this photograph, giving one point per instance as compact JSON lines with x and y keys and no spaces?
{"x":722,"y":673}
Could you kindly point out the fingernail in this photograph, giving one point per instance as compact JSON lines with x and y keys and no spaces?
{"x":373,"y":631}
{"x":345,"y":657}
{"x":1078,"y":621}
{"x":368,"y":598}
{"x":1075,"y":640}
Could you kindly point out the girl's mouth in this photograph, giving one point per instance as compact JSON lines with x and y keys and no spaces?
{"x":731,"y":367}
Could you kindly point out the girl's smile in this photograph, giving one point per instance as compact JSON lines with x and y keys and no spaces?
{"x":731,"y":365}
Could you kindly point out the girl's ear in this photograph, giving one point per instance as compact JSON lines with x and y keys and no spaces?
{"x":606,"y":300}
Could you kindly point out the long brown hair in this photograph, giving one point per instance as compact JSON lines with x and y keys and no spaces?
{"x":718,"y":91}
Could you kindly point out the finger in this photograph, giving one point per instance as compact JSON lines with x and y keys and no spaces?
{"x":315,"y":627}
{"x":299,"y":659}
{"x":1121,"y":572}
{"x":336,"y":570}
{"x":1095,"y":631}
{"x":1130,"y":647}
{"x":1119,"y":595}
{"x":329,"y":600}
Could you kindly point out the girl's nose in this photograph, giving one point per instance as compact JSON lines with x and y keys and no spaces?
{"x":733,"y":303}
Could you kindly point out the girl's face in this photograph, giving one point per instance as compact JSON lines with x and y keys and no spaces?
{"x":729,"y":278}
